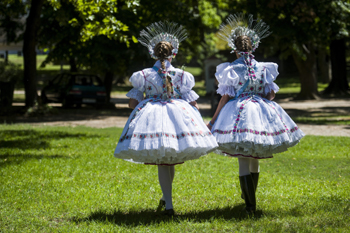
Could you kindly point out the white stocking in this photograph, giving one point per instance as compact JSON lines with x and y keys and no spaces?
{"x":244,"y":164}
{"x":165,"y":181}
{"x":247,"y":166}
{"x":172,"y":174}
{"x":254,"y":166}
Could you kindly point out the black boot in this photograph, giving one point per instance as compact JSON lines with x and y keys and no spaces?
{"x":255,"y":177}
{"x":248,"y":191}
{"x":161,"y":206}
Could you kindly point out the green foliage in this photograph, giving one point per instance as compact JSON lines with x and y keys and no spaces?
{"x":10,"y":13}
{"x":40,"y":110}
{"x":10,"y":72}
{"x":98,"y":18}
{"x":297,"y":24}
{"x":101,"y":51}
{"x":64,"y":179}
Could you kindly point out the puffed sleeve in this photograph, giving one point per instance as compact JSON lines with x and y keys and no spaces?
{"x":138,"y":82}
{"x":270,"y":72}
{"x":228,"y":78}
{"x":186,"y":88}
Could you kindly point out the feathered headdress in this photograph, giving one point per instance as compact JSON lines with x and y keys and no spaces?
{"x":238,"y":25}
{"x":162,"y":31}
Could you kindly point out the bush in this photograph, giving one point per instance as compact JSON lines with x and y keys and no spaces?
{"x":10,"y":72}
{"x":9,"y":75}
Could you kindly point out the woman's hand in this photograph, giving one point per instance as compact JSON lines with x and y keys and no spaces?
{"x":133,"y":103}
{"x":209,"y":126}
{"x":271,"y":95}
{"x":194,"y":104}
{"x":224,"y":99}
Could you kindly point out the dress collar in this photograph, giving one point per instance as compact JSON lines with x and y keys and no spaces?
{"x":168,"y":65}
{"x":240,"y":60}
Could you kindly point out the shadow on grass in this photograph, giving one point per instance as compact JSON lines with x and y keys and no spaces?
{"x":321,"y":116}
{"x":32,"y":139}
{"x":150,"y":217}
{"x":16,"y":115}
{"x":14,"y":159}
{"x":18,"y":146}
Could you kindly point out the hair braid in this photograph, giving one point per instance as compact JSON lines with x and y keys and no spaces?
{"x":243,"y":44}
{"x":162,"y":50}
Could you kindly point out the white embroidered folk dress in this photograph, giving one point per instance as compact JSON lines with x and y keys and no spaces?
{"x":160,"y":130}
{"x":250,"y":125}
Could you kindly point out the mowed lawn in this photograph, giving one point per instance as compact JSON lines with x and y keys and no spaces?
{"x":65,"y":179}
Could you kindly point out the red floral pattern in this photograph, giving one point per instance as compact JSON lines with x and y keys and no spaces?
{"x":165,"y":135}
{"x":256,"y":132}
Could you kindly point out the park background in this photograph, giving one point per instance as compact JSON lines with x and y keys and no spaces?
{"x":61,"y":179}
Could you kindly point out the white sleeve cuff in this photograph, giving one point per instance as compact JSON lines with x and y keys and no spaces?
{"x":271,"y":87}
{"x":135,"y":94}
{"x":190,"y":96}
{"x":226,"y":90}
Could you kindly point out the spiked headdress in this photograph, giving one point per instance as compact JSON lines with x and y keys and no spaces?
{"x":238,"y":25}
{"x":162,"y":31}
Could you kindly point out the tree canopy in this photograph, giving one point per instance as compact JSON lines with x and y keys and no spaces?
{"x":301,"y":29}
{"x":102,"y":35}
{"x":65,"y":34}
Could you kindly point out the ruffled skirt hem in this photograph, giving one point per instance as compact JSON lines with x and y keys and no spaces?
{"x":258,"y":148}
{"x":163,"y":156}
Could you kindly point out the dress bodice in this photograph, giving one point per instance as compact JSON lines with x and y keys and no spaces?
{"x":233,"y":76}
{"x":256,"y":85}
{"x":154,"y":83}
{"x":148,"y":83}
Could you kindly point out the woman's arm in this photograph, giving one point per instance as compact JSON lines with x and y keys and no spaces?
{"x":133,"y":103}
{"x":271,"y":95}
{"x":194,"y":104}
{"x":223,"y":101}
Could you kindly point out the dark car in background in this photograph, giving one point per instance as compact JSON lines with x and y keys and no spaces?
{"x":74,"y":89}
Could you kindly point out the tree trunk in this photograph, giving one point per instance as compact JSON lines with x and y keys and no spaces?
{"x":73,"y":65}
{"x":323,"y":65}
{"x":307,"y":71}
{"x":6,"y":57}
{"x":29,"y":53}
{"x":339,"y":84}
{"x":108,"y":85}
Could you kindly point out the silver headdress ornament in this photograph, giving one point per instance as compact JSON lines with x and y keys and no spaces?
{"x":238,"y":25}
{"x":162,"y":31}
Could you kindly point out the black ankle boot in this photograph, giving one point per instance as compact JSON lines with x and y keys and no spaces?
{"x":161,"y":206}
{"x":255,"y":177}
{"x":248,"y":191}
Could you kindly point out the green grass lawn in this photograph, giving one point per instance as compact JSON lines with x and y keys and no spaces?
{"x":65,"y":179}
{"x":18,"y":60}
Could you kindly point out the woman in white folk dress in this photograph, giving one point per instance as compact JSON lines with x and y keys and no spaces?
{"x":165,"y":127}
{"x":247,"y":124}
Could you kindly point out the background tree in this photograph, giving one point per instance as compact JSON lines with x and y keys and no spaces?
{"x":338,"y":27}
{"x":115,"y":57}
{"x":299,"y":30}
{"x":87,"y":10}
{"x":29,"y":52}
{"x":10,"y":21}
{"x":200,"y":17}
{"x":65,"y":35}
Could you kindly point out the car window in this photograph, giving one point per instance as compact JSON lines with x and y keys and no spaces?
{"x":96,"y":81}
{"x":86,"y":80}
{"x":83,"y":80}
